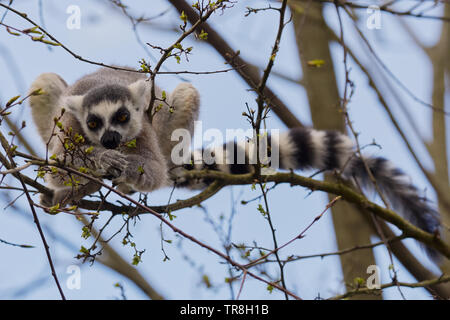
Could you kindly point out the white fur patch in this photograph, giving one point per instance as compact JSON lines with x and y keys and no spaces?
{"x":345,"y":149}
{"x":403,"y":179}
{"x":287,"y":150}
{"x":318,"y":143}
{"x":105,"y":108}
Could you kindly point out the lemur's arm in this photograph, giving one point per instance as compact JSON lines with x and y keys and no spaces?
{"x":46,"y":106}
{"x":71,"y":188}
{"x":145,"y":168}
{"x":180,"y":112}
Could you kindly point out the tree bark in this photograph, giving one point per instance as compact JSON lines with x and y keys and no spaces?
{"x":440,"y":58}
{"x":351,"y":226}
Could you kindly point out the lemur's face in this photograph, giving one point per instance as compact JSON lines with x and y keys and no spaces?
{"x":111,"y":123}
{"x":110,"y":115}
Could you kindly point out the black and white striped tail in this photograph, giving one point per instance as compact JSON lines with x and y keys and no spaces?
{"x":302,"y":148}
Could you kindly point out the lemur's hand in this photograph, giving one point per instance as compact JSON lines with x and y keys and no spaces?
{"x":133,"y":172}
{"x":112,"y":163}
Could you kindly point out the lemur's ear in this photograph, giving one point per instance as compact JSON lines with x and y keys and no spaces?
{"x":73,"y":104}
{"x":139,"y":91}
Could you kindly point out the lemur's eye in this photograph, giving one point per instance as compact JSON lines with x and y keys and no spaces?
{"x":92,"y":124}
{"x":122,"y":117}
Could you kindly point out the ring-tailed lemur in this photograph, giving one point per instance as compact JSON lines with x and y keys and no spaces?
{"x":109,"y":108}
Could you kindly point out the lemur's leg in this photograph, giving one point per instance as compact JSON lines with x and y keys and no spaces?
{"x":146,"y":168}
{"x":71,"y":188}
{"x":46,"y":106}
{"x":144,"y":173}
{"x":64,"y":195}
{"x":185,"y":102}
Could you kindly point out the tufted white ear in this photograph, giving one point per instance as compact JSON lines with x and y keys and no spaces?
{"x":139,"y":91}
{"x":73,"y":104}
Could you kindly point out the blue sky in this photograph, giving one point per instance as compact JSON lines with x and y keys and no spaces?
{"x":105,"y":35}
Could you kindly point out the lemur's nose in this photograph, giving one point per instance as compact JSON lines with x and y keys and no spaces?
{"x":111,"y":139}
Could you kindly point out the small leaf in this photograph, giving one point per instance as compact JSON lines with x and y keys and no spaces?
{"x":261,"y":209}
{"x":78,"y":138}
{"x":89,"y":150}
{"x":144,"y":66}
{"x":37,"y":92}
{"x":171,"y":216}
{"x":54,"y":209}
{"x":32,"y":30}
{"x":55,"y":44}
{"x":206,"y":281}
{"x":86,"y":232}
{"x":136,"y":260}
{"x":131,"y":144}
{"x":183,"y":17}
{"x":11,"y":32}
{"x":84,"y":250}
{"x":317,"y":63}
{"x":37,"y":38}
{"x":83,"y":170}
{"x":203,"y":35}
{"x":11,"y":101}
{"x":359,"y":281}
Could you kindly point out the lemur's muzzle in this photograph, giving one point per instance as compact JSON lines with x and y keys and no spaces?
{"x":111,"y":139}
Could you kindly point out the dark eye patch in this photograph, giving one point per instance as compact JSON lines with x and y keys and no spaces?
{"x":121,"y":116}
{"x":93,"y":122}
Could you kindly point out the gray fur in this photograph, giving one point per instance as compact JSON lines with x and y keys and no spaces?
{"x":112,"y":93}
{"x":142,"y":168}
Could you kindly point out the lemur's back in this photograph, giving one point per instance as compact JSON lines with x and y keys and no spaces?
{"x":103,"y":76}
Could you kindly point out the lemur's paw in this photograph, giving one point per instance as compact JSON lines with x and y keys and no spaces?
{"x":61,"y":197}
{"x":46,"y":200}
{"x":125,"y":188}
{"x":113,"y":163}
{"x":134,"y":175}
